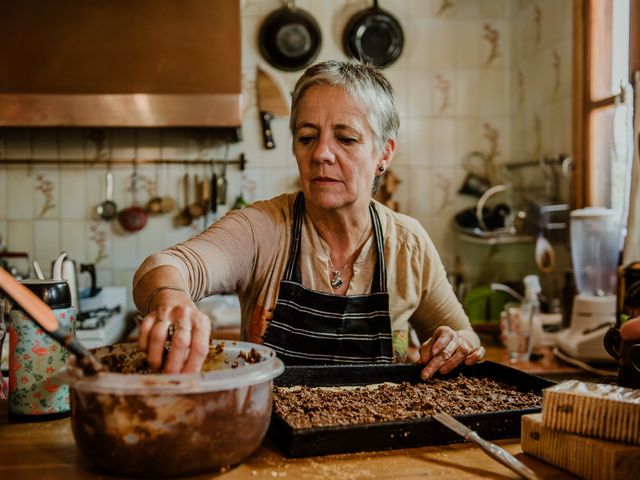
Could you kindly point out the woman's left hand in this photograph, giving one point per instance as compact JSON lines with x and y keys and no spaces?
{"x":445,"y":350}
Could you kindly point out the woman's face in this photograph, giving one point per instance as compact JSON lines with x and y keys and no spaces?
{"x":335,"y":149}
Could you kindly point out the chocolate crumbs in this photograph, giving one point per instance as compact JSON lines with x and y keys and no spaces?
{"x":308,"y":407}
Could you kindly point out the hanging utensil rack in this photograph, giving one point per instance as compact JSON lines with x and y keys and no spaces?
{"x":241,"y":161}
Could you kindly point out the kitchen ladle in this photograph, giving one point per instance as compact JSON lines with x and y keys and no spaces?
{"x":107,"y":210}
{"x":43,"y":316}
{"x":545,"y":254}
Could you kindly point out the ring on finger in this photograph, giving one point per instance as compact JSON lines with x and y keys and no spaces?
{"x":163,"y":321}
{"x":184,"y":328}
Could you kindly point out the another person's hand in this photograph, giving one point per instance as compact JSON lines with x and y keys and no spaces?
{"x":191,"y":330}
{"x":445,"y":350}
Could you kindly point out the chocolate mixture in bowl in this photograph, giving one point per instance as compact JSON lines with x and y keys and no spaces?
{"x":135,"y":361}
{"x":308,"y":407}
{"x":138,"y":422}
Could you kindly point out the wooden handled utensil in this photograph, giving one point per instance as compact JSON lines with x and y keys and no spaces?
{"x":491,"y":449}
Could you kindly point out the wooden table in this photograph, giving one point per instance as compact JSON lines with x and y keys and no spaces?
{"x":47,"y":450}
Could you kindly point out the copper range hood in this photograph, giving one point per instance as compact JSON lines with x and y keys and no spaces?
{"x":120,"y":63}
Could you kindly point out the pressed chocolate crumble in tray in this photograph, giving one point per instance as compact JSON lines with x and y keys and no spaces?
{"x":347,"y":408}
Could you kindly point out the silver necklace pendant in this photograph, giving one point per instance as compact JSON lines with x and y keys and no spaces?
{"x":336,"y":281}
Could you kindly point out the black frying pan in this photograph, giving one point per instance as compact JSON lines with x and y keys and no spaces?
{"x":374,"y":36}
{"x":290,"y":38}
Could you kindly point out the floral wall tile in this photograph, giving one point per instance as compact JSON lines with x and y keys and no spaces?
{"x":468,"y":45}
{"x":46,"y":241}
{"x":467,"y":92}
{"x":73,"y":240}
{"x":19,"y":193}
{"x":98,"y":244}
{"x":72,"y":200}
{"x":493,"y":44}
{"x":442,"y":136}
{"x":417,"y":133}
{"x":444,"y":89}
{"x":47,"y":193}
{"x":19,"y":236}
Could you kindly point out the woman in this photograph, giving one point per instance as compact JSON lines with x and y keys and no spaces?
{"x":325,"y":275}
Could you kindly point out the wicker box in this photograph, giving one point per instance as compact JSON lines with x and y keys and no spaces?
{"x":586,"y":457}
{"x":594,"y":410}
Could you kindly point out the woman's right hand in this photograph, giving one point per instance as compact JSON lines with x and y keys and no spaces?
{"x":190,"y":338}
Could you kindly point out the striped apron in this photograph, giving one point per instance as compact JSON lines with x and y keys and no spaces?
{"x":310,"y":327}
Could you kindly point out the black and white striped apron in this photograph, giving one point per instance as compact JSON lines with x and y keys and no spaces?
{"x":310,"y":327}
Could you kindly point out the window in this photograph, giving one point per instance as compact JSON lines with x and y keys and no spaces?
{"x":606,"y":52}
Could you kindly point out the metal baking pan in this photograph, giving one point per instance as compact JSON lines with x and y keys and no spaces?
{"x":304,"y":442}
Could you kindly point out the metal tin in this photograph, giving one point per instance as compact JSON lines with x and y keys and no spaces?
{"x":35,"y":358}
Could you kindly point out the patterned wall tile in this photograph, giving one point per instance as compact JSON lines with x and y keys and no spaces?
{"x":46,"y":192}
{"x":467,"y":92}
{"x":401,"y":81}
{"x":46,"y":241}
{"x":19,"y":236}
{"x":444,"y":93}
{"x":419,"y":89}
{"x":419,"y":184}
{"x":443,"y":41}
{"x":73,"y":192}
{"x":492,"y":85}
{"x":73,"y":240}
{"x":468,"y":46}
{"x":419,"y":147}
{"x":20,"y":193}
{"x":442,"y":137}
{"x":98,"y":235}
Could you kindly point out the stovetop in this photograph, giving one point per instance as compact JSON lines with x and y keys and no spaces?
{"x":96,"y":318}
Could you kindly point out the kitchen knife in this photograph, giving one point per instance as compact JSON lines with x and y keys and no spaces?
{"x":491,"y":449}
{"x":273,"y":101}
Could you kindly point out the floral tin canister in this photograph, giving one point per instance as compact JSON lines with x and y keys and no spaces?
{"x":35,"y":358}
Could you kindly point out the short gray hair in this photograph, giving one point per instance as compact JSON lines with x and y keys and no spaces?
{"x":362,"y":81}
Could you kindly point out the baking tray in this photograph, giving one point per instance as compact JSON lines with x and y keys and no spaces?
{"x":304,"y":442}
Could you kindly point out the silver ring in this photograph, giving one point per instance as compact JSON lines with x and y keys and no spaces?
{"x":164,"y":321}
{"x":183,"y":328}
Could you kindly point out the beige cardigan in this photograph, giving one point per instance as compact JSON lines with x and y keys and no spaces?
{"x":247,"y":250}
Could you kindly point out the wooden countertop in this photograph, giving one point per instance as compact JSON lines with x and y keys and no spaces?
{"x":47,"y":450}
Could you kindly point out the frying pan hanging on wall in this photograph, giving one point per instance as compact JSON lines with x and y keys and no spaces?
{"x":290,"y":38}
{"x":374,"y":36}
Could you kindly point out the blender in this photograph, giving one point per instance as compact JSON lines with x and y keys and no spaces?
{"x":595,"y":248}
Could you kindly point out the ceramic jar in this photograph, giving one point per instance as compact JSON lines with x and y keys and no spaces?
{"x":34,"y":357}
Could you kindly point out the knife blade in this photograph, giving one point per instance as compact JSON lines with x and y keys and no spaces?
{"x":273,"y":101}
{"x":491,"y":449}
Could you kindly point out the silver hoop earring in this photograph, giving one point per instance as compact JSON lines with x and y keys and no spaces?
{"x":381,"y":168}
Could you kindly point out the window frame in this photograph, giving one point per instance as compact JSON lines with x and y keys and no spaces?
{"x":584,"y":104}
